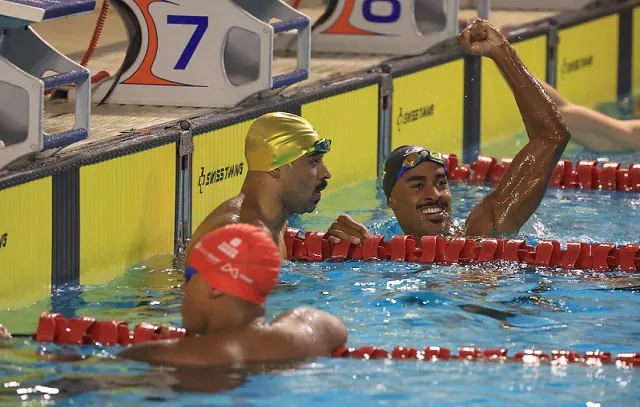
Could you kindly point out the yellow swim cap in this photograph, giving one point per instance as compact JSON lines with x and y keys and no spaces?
{"x":277,"y":139}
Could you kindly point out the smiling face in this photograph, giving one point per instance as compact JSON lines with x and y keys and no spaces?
{"x":421,"y":200}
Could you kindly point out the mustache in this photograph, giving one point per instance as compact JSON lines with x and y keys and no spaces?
{"x":322,"y":185}
{"x":440,"y":203}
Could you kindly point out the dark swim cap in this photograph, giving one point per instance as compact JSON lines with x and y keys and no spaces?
{"x":404,"y":158}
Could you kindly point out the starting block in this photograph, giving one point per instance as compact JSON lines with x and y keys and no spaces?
{"x":24,"y":60}
{"x":402,"y":27}
{"x":202,"y":53}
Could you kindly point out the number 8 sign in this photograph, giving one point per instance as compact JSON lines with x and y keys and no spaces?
{"x":367,"y":11}
{"x":370,"y":17}
{"x":390,"y":27}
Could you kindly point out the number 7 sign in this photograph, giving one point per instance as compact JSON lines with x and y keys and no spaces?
{"x":149,"y":71}
{"x":202,"y":53}
{"x":201,"y":23}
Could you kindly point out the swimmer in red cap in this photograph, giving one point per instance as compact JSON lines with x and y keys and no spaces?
{"x":286,"y":175}
{"x":231,"y":272}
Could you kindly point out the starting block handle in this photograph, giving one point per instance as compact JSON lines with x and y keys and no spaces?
{"x":32,"y":55}
{"x":280,"y":81}
{"x":290,"y":19}
{"x":64,"y":138}
{"x":304,"y":51}
{"x":290,"y":24}
{"x":67,"y":78}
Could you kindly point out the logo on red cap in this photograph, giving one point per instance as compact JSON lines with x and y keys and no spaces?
{"x":230,"y":248}
{"x":239,"y":259}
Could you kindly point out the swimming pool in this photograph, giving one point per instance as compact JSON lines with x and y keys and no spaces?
{"x":385,"y":305}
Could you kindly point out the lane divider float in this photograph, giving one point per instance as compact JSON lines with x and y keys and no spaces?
{"x":601,"y":257}
{"x":55,"y":328}
{"x":527,"y":356}
{"x":584,"y":174}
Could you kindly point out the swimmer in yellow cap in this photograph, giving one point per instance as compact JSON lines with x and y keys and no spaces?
{"x":286,"y":175}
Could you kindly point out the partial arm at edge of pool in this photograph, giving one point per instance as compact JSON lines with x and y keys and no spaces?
{"x":594,"y":130}
{"x":4,"y":333}
{"x":521,"y":189}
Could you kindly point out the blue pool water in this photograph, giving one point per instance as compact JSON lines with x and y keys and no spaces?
{"x":383,"y":304}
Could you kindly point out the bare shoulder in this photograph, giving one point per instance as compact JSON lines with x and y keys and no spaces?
{"x":299,"y":333}
{"x":312,"y":326}
{"x":226,"y":213}
{"x":303,"y":314}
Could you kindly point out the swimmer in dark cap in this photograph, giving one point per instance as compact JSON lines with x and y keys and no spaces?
{"x":224,"y":302}
{"x":414,"y":178}
{"x":286,"y":175}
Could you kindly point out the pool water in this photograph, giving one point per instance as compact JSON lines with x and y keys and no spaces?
{"x":383,"y":304}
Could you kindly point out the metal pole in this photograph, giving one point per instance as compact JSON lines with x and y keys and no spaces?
{"x":484,"y":8}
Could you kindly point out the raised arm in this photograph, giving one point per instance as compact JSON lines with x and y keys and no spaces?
{"x":594,"y":130}
{"x":522,"y":187}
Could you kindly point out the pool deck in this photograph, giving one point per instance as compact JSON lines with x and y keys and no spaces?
{"x":110,"y":121}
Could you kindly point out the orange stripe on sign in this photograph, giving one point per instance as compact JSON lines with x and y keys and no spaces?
{"x":342,"y":24}
{"x":143,"y":75}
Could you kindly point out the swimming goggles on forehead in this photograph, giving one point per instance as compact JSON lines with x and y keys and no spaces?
{"x":321,"y":146}
{"x":413,"y":159}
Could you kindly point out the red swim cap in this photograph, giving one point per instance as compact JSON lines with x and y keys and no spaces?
{"x":239,"y":260}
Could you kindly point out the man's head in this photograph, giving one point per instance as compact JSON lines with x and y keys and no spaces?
{"x":288,"y":147}
{"x":415,"y":183}
{"x":231,"y":270}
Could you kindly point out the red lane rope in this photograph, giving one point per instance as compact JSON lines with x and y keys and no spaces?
{"x":314,"y":247}
{"x":584,"y":174}
{"x":528,"y":356}
{"x":56,"y":328}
